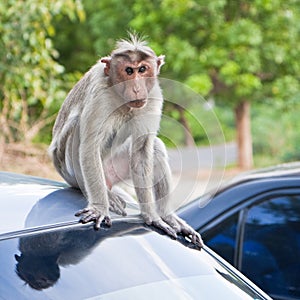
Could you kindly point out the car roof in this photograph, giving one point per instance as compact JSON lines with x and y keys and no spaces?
{"x":281,"y":170}
{"x":30,"y":202}
{"x":21,"y":196}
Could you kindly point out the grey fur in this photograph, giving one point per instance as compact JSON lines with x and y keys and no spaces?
{"x":98,"y":141}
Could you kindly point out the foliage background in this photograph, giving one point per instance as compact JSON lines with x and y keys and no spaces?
{"x":229,"y":51}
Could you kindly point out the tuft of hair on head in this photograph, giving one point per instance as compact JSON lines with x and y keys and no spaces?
{"x":134,"y":39}
{"x":135,"y":43}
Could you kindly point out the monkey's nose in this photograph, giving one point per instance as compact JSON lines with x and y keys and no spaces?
{"x":136,"y":89}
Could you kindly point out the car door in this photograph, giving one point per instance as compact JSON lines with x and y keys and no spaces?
{"x":262,"y":240}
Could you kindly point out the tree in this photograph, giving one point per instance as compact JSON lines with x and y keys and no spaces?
{"x":80,"y":44}
{"x":246,"y":50}
{"x":31,"y":81}
{"x":236,"y":52}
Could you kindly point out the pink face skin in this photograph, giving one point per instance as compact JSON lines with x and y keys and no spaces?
{"x":132,"y":77}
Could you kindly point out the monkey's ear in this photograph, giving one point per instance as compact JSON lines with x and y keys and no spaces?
{"x":106,"y":61}
{"x":160,"y":62}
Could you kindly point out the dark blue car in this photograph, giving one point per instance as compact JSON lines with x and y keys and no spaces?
{"x":254,"y":223}
{"x":46,"y":254}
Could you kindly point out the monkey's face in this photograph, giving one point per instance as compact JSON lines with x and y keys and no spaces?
{"x":133,"y":80}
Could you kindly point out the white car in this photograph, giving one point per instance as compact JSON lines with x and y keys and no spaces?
{"x":45,"y":253}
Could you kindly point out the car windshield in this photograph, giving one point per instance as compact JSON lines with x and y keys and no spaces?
{"x":127,"y":261}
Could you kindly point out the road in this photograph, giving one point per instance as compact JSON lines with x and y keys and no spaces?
{"x":191,"y":159}
{"x":198,"y":170}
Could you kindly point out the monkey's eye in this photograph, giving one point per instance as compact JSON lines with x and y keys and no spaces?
{"x":129,"y":71}
{"x":142,"y":69}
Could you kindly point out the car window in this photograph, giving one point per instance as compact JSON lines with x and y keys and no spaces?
{"x":222,"y":238}
{"x":272,"y":245}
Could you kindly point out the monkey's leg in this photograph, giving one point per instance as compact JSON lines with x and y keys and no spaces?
{"x":141,"y":163}
{"x":183,"y":228}
{"x":162,"y":188}
{"x":116,"y":169}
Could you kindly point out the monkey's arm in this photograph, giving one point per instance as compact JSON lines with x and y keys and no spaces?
{"x":141,"y":163}
{"x":93,"y":176}
{"x":162,"y":187}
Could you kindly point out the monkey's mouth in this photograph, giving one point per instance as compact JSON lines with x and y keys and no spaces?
{"x":136,"y":103}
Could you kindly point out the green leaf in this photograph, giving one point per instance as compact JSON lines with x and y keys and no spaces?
{"x":201,"y":83}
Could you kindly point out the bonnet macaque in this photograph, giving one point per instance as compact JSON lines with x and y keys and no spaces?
{"x":106,"y":132}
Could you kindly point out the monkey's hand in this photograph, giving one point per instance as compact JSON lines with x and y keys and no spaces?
{"x":116,"y":203}
{"x":93,"y":213}
{"x":180,"y":226}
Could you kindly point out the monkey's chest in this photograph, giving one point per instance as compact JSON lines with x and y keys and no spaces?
{"x":108,"y":143}
{"x":116,"y":130}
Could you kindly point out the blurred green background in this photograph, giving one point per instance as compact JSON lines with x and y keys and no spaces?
{"x":242,"y":56}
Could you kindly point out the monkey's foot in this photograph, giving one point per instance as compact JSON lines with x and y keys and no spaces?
{"x":116,"y":204}
{"x":180,"y":226}
{"x":92,"y":214}
{"x":159,"y":223}
{"x":165,"y":227}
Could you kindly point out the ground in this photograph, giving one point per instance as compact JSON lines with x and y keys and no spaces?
{"x":27,"y":159}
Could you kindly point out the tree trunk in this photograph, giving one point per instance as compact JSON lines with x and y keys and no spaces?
{"x":244,"y":138}
{"x":188,"y":137}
